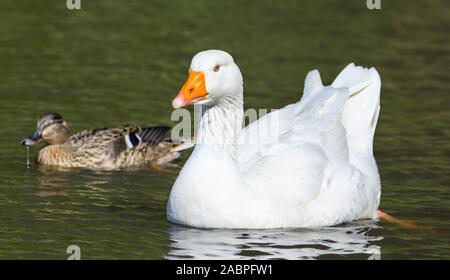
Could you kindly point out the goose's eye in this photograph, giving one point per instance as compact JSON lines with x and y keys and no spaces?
{"x":216,"y":68}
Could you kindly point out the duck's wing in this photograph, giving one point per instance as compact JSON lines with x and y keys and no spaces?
{"x":99,"y":147}
{"x":79,"y":138}
{"x":103,"y":137}
{"x":126,"y":136}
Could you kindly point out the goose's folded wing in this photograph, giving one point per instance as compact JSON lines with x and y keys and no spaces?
{"x":307,"y":143}
{"x":263,"y":133}
{"x":317,"y":104}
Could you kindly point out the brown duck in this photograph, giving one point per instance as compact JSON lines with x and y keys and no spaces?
{"x":105,"y":148}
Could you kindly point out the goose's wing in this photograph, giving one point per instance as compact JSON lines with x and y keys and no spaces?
{"x":329,"y":130}
{"x":269,"y":128}
{"x":305,"y":143}
{"x":260,"y":134}
{"x":320,"y":106}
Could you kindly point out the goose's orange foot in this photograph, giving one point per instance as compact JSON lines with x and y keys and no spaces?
{"x":403,"y":223}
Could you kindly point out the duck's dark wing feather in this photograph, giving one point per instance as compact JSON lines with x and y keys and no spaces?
{"x":153,"y":135}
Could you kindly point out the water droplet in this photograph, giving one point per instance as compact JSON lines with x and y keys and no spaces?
{"x":28,"y":157}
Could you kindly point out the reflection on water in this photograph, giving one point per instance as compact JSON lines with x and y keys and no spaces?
{"x":346,"y":240}
{"x":55,"y":176}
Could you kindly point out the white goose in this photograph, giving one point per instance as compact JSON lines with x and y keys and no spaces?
{"x":314,"y":168}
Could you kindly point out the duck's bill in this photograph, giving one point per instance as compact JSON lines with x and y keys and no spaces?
{"x":32,"y":139}
{"x":193,"y":91}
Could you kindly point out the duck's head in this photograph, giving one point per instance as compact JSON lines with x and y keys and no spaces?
{"x":212,"y":76}
{"x":50,"y":128}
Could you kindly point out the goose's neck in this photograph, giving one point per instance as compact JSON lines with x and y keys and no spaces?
{"x":220,"y":125}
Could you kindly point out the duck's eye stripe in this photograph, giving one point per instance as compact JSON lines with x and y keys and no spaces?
{"x":51,"y":123}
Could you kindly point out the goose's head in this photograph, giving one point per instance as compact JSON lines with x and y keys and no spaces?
{"x":212,"y":76}
{"x":50,"y":128}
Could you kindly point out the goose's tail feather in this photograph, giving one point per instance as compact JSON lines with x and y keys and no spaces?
{"x":361,"y":110}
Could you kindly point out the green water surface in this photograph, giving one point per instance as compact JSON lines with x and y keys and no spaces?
{"x":115,"y":62}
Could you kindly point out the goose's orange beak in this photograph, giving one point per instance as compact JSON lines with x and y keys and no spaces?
{"x":194,"y":89}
